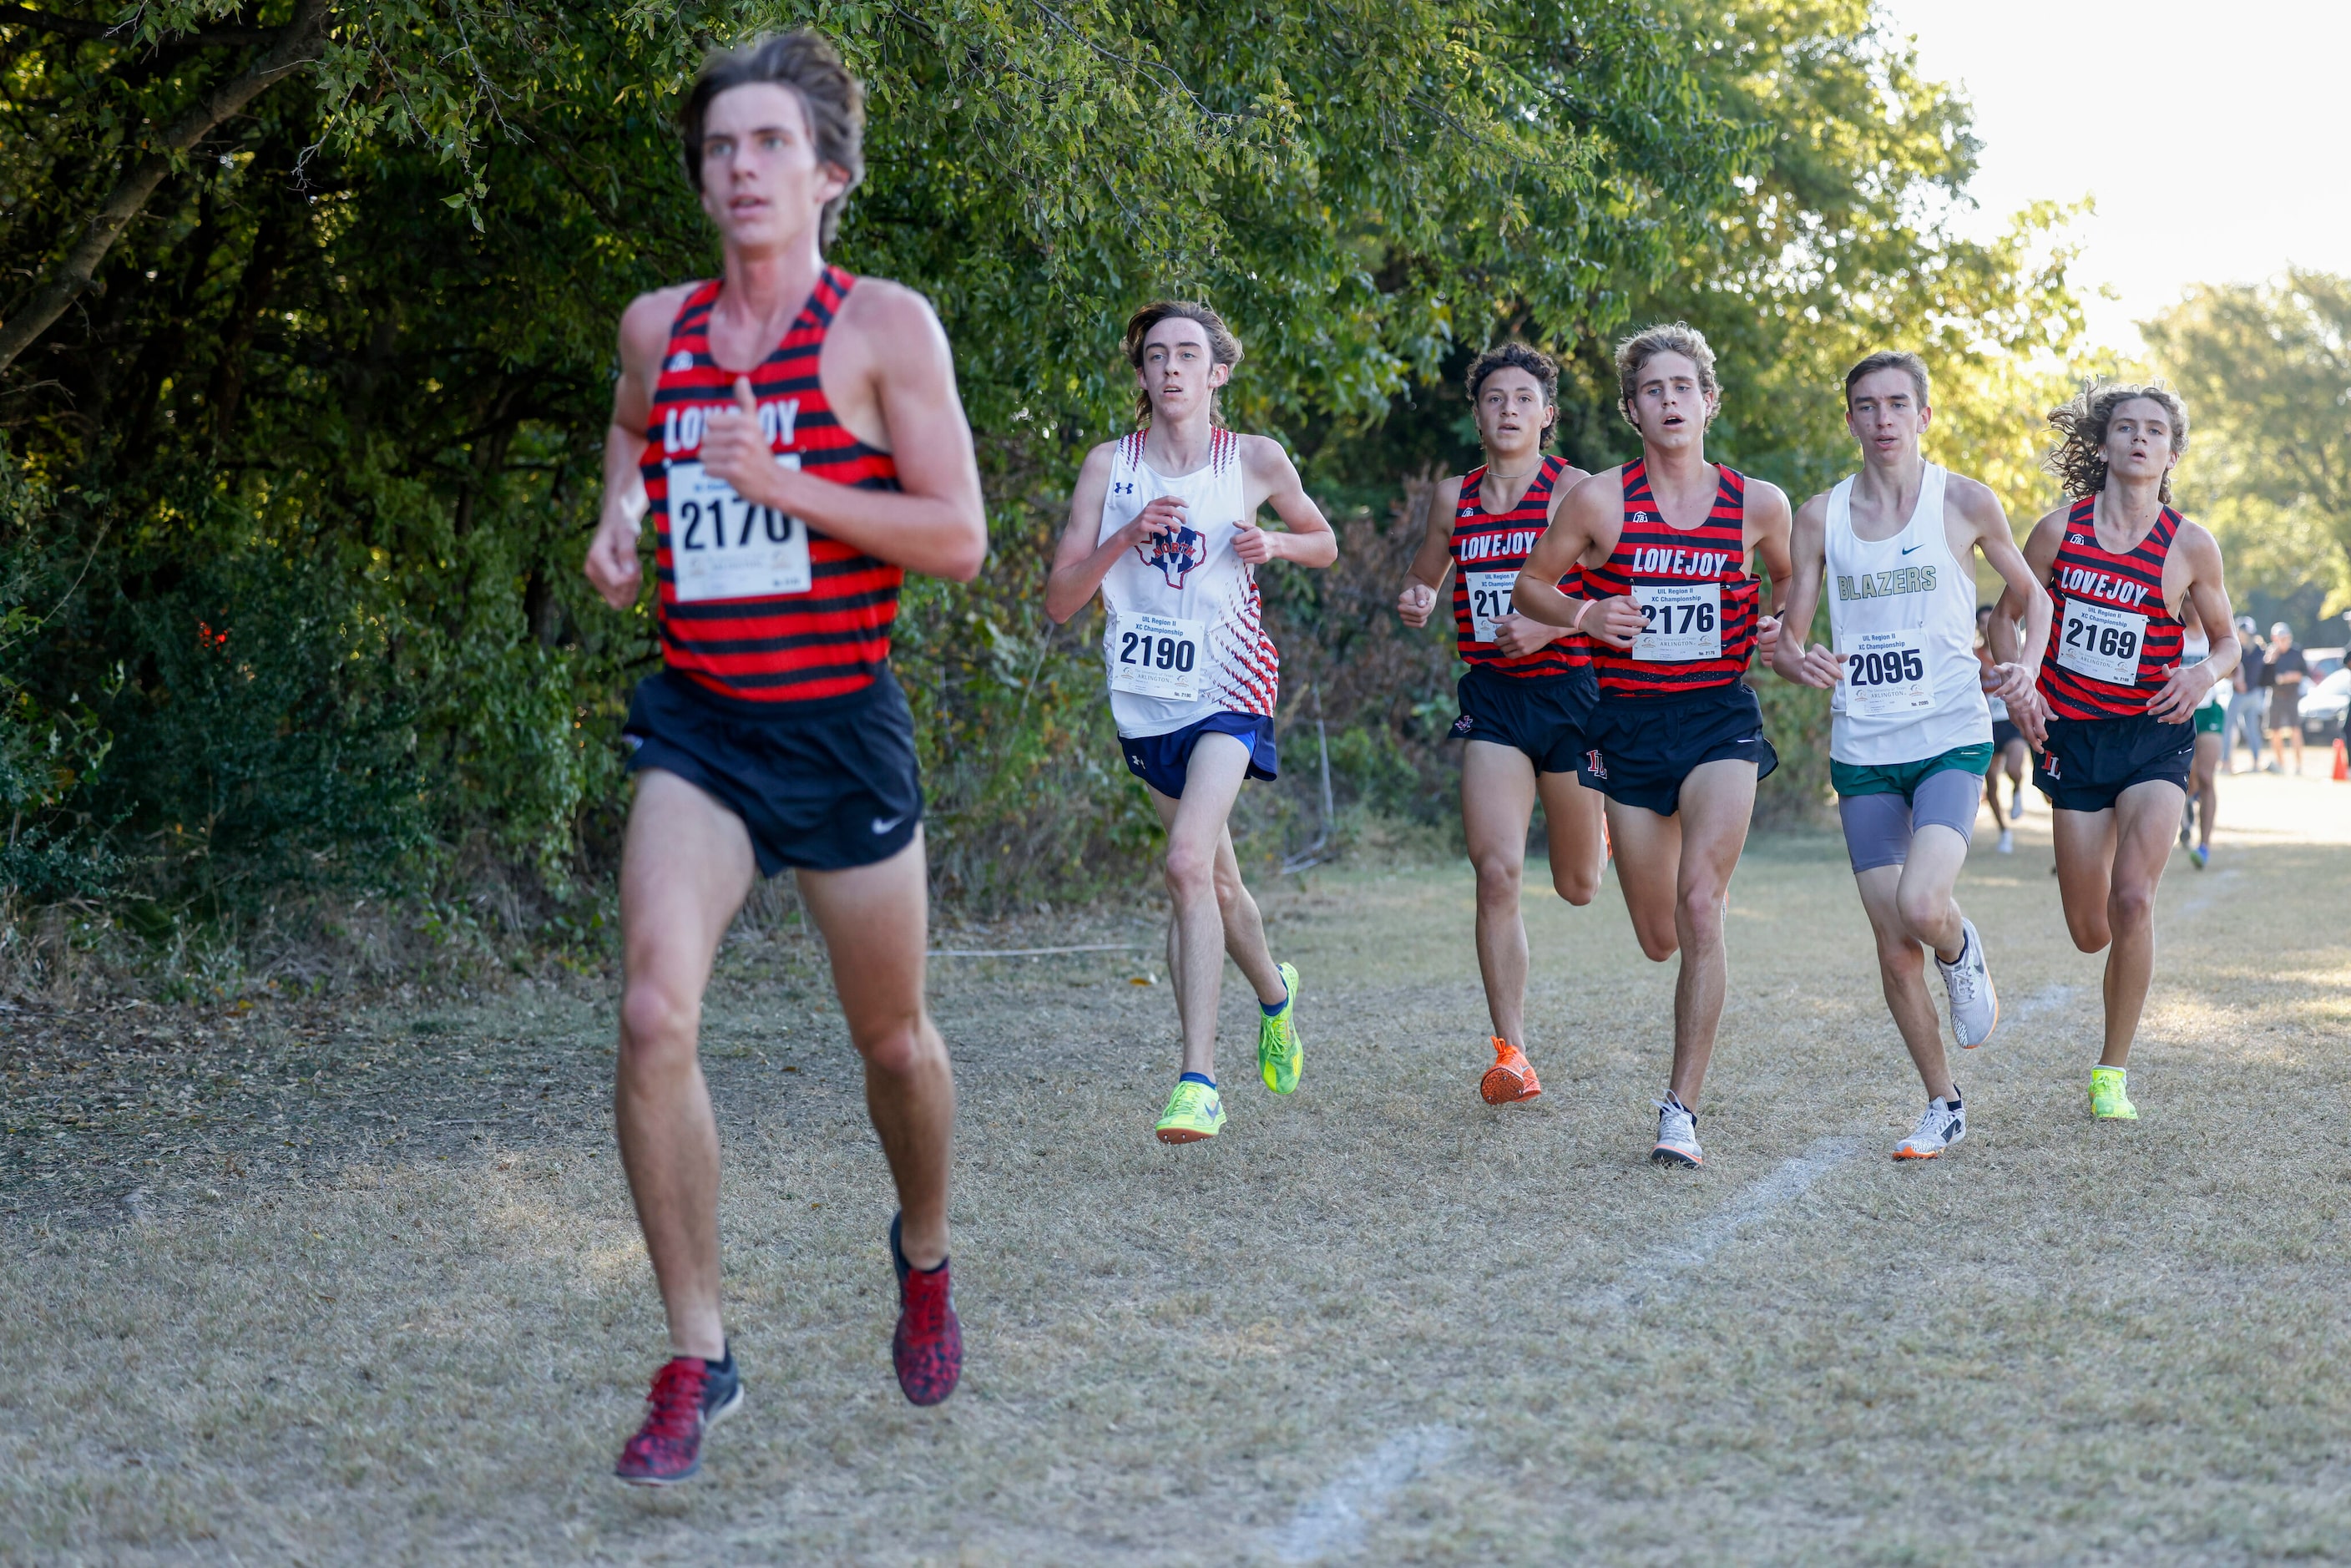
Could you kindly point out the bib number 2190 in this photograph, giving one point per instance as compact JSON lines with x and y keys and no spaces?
{"x":1155,"y":656}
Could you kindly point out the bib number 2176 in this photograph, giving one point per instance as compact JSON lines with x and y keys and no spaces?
{"x":1681,"y":622}
{"x":1155,"y":656}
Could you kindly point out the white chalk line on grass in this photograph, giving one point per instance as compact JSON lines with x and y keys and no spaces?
{"x":1336,"y":1519}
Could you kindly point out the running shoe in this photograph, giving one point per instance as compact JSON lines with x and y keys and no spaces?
{"x":2107,"y":1100}
{"x":1280,"y":1055}
{"x":1940,"y":1125}
{"x":2007,"y":841}
{"x":927,"y":1349}
{"x":690,"y":1396}
{"x":1194,"y":1111}
{"x":2202,"y":856}
{"x":2187,"y":827}
{"x":2016,"y":808}
{"x":1511,"y":1078}
{"x":1677,"y":1136}
{"x":1975,"y":1007}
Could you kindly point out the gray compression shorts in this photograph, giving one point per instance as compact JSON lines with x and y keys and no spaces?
{"x":1877,"y":828}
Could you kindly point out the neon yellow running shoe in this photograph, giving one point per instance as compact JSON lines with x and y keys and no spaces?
{"x":1280,"y":1055}
{"x":1192,"y":1113}
{"x":2107,"y":1100}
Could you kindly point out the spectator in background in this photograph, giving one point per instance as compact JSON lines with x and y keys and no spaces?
{"x":2247,"y":700}
{"x":2283,"y":669}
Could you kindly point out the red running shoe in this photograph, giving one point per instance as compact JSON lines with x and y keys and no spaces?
{"x":690,"y":1396}
{"x":927,"y":1349}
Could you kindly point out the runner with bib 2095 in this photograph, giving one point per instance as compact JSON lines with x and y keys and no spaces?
{"x":1892,"y":549}
{"x":1529,"y":691}
{"x":1676,"y":740}
{"x":2118,"y":696}
{"x":796,"y":434}
{"x":1162,"y":524}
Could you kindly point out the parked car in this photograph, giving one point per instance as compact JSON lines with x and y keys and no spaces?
{"x":2322,"y":708}
{"x":2322,"y":662}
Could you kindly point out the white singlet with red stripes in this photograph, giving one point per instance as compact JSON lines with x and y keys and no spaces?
{"x":1184,"y":636}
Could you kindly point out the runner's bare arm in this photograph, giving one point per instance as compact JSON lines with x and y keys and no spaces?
{"x":1080,"y":563}
{"x":898,"y":365}
{"x":1517,"y":635}
{"x":2176,"y":703}
{"x":2039,"y":555}
{"x":1768,"y":526}
{"x":1433,"y":562}
{"x":1585,"y":520}
{"x":1988,"y":530}
{"x":1814,"y":664}
{"x":1271,"y":474}
{"x":611,"y":565}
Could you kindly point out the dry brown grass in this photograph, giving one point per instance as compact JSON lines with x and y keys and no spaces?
{"x":2065,"y":1343}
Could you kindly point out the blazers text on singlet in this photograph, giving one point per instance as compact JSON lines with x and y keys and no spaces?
{"x":1698,"y":603}
{"x":755,"y":604}
{"x":1489,"y":548}
{"x":2112,"y":641}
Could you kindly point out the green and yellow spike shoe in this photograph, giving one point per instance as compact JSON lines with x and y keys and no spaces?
{"x":1192,"y":1113}
{"x":1280,"y":1055}
{"x":2107,"y":1100}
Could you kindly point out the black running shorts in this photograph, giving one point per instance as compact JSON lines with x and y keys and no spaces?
{"x":824,"y":785}
{"x":2088,"y":762}
{"x":1542,"y":716}
{"x":1641,"y":751}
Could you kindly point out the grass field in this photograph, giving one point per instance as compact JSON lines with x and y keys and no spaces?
{"x":1378,"y":1321}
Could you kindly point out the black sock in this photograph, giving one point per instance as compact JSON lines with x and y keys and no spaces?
{"x":726,"y":1363}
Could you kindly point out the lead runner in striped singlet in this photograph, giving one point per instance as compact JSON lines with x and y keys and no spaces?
{"x":1676,"y":740}
{"x":1893,"y":548}
{"x":2116,"y":697}
{"x":1162,"y":524}
{"x":1528,"y":690}
{"x":797,"y":436}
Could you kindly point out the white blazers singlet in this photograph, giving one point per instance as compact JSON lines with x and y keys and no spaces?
{"x":1903,"y":612}
{"x":1192,"y":578}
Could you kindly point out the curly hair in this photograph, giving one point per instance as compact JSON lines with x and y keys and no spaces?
{"x":2079,"y":459}
{"x":1666,"y":337}
{"x":1515,"y":357}
{"x":809,"y":68}
{"x":1224,"y":348}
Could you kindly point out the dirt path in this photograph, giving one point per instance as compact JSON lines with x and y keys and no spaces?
{"x":1378,"y":1321}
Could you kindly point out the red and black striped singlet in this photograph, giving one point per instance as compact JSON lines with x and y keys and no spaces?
{"x":1498,"y":542}
{"x":830,"y":639}
{"x":1649,"y":554}
{"x":2110,"y":618}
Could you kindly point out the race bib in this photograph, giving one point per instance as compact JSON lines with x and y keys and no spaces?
{"x":1681,"y":622}
{"x":1489,"y":600}
{"x":724,"y":547}
{"x":1885,"y":674}
{"x":2101,"y":642}
{"x":1155,"y":656}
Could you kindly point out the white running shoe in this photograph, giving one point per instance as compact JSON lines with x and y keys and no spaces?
{"x":1975,"y":1007}
{"x":1677,"y":1136}
{"x":2016,"y":807}
{"x":2007,"y":841}
{"x":1940,"y":1125}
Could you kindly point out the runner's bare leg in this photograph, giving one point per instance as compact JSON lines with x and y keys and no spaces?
{"x":1717,"y":805}
{"x":1497,"y":800}
{"x":1576,"y":834}
{"x":1196,"y":930}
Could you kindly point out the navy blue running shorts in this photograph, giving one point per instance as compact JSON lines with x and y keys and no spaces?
{"x":824,"y":785}
{"x":1163,"y":761}
{"x":1641,"y":751}
{"x":1542,"y":716}
{"x":2089,"y":762}
{"x":2002,"y":732}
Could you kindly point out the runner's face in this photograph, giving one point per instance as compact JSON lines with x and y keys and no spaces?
{"x":1670,"y":407}
{"x":1511,"y":413}
{"x":1884,"y":414}
{"x":762,"y":184}
{"x":2138,"y":441}
{"x":1179,"y":369}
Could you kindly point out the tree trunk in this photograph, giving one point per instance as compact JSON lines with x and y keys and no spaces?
{"x":296,"y":43}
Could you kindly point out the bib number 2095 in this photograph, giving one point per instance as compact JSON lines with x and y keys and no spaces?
{"x":1155,"y":656}
{"x":1885,"y":674}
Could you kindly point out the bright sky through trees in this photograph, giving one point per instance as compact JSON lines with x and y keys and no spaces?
{"x":2210,"y":134}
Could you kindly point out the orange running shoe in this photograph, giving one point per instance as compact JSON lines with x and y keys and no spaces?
{"x":1512,"y":1076}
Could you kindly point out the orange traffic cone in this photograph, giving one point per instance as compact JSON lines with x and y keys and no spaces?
{"x":2342,"y":762}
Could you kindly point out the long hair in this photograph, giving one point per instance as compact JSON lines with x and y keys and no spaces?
{"x":2079,"y":459}
{"x":808,"y":65}
{"x":1224,"y":348}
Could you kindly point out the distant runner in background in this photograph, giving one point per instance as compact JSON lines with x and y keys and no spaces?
{"x":2117,"y":745}
{"x":1164,"y":524}
{"x":1893,"y":550}
{"x":1529,"y":691}
{"x":2211,"y":719}
{"x":2248,"y":701}
{"x":2010,"y":755}
{"x":2284,"y":670}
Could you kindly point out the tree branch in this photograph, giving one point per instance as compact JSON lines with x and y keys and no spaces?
{"x":77,"y":27}
{"x":296,"y":43}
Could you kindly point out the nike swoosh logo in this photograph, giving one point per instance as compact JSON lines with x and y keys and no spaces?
{"x":1907,"y":549}
{"x":883,"y":825}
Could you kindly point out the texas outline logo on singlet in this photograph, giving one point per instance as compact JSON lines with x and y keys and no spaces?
{"x":1174,"y":554}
